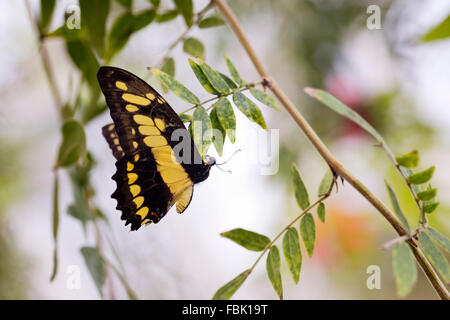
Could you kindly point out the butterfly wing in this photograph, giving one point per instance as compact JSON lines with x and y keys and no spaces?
{"x":150,"y":178}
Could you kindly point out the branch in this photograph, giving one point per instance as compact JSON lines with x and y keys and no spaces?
{"x":327,"y":155}
{"x":200,"y":15}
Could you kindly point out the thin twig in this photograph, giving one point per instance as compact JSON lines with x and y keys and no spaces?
{"x":45,"y":59}
{"x":198,"y":18}
{"x":327,"y":155}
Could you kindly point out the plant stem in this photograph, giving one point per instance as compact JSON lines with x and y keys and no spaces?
{"x":45,"y":59}
{"x":327,"y":155}
{"x":200,"y":15}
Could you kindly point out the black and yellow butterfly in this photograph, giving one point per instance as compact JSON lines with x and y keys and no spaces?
{"x":150,"y":176}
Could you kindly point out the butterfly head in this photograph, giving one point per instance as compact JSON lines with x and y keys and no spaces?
{"x":210,"y":161}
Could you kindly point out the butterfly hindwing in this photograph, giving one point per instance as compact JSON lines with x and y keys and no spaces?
{"x":150,"y":177}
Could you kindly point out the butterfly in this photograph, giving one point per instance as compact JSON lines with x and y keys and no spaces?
{"x":152,"y":171}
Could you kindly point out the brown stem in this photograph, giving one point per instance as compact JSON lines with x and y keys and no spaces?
{"x":326,"y":154}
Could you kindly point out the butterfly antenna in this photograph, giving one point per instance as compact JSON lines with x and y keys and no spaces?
{"x":219,"y":164}
{"x":228,"y":171}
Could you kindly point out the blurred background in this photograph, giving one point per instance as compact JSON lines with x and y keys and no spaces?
{"x":396,"y":82}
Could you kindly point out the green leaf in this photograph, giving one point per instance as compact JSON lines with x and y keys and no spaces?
{"x":321,"y":211}
{"x":174,"y":86}
{"x":234,"y":73}
{"x":214,"y":77}
{"x":439,"y":238}
{"x":337,"y":106}
{"x":273,"y":270}
{"x":84,"y":59}
{"x":421,"y":177}
{"x":409,"y":160}
{"x":405,"y":270}
{"x":292,"y":252}
{"x":430,"y":206}
{"x":202,"y":78}
{"x":397,"y":209}
{"x":301,"y":194}
{"x":94,"y":263}
{"x":427,"y":195}
{"x":201,"y":130}
{"x":126,"y":3}
{"x":124,"y":26}
{"x":194,"y":47}
{"x":226,"y":117}
{"x":155,"y":3}
{"x":436,"y":257}
{"x":47,"y":8}
{"x":229,"y":82}
{"x":308,"y":233}
{"x":265,"y":98}
{"x":226,"y":291}
{"x":167,"y":16}
{"x":185,"y":117}
{"x":142,"y":19}
{"x":55,"y":225}
{"x":249,"y":109}
{"x":219,"y":132}
{"x":248,"y":239}
{"x":187,"y":10}
{"x":73,"y":145}
{"x":439,"y":32}
{"x":326,"y":183}
{"x":209,"y":22}
{"x":169,"y":67}
{"x":93,"y":17}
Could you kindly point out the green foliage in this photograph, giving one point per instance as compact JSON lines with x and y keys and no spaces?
{"x":409,"y":160}
{"x":55,"y":228}
{"x":439,"y":238}
{"x":405,"y":270}
{"x":176,"y":87}
{"x":439,"y":32}
{"x":214,"y":77}
{"x":301,"y":194}
{"x":73,"y":145}
{"x":321,"y":211}
{"x":194,"y":47}
{"x":212,"y":21}
{"x":248,"y":239}
{"x":397,"y":210}
{"x":201,"y":130}
{"x":249,"y":109}
{"x":308,"y":233}
{"x":202,"y":78}
{"x":421,"y":177}
{"x":326,"y":183}
{"x":435,"y":256}
{"x":292,"y":253}
{"x":226,"y":291}
{"x":219,"y":134}
{"x":47,"y":8}
{"x":93,"y":16}
{"x":234,"y":73}
{"x":273,"y":270}
{"x":226,"y":117}
{"x":427,"y":195}
{"x":187,"y":10}
{"x":94,"y":263}
{"x":265,"y":98}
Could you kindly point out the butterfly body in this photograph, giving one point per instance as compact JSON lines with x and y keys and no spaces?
{"x":157,"y":161}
